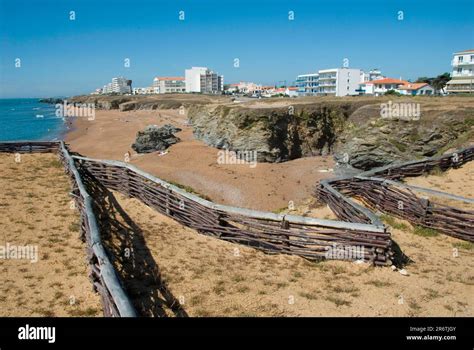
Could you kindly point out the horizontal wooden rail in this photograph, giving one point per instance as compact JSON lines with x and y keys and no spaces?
{"x":116,"y":302}
{"x":103,"y":276}
{"x":270,"y":232}
{"x":264,"y":215}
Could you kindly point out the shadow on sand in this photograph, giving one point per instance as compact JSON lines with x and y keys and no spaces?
{"x":125,"y":243}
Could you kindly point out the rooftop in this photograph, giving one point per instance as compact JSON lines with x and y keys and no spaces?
{"x":169,"y":78}
{"x":414,"y":86}
{"x":386,"y":81}
{"x":465,"y":51}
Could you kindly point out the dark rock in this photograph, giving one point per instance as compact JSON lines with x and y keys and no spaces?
{"x":155,"y":138}
{"x":51,"y":100}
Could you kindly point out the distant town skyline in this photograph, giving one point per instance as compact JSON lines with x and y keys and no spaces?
{"x":57,"y":48}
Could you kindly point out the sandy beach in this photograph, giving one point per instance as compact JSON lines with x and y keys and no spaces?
{"x":268,"y":186}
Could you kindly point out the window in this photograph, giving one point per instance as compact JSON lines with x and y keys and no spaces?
{"x":459,"y":70}
{"x":472,"y":58}
{"x":460,"y":59}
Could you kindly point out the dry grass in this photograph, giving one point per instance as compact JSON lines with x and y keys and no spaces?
{"x":34,"y":210}
{"x":210,"y":279}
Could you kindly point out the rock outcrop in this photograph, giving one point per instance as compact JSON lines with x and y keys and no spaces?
{"x":147,"y":102}
{"x":155,"y":138}
{"x":370,"y":141}
{"x":353,"y":131}
{"x":277,"y":134}
{"x":51,"y":100}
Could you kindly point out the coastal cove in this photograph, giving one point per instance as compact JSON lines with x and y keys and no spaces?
{"x":29,"y":119}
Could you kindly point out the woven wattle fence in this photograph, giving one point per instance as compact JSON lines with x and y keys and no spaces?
{"x":378,"y":191}
{"x":422,"y":167}
{"x":273,"y":233}
{"x":310,"y":238}
{"x":29,"y":147}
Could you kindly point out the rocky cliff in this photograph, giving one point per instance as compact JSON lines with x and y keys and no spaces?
{"x":368,"y":140}
{"x":146,"y":102}
{"x":276,"y":133}
{"x":353,"y":130}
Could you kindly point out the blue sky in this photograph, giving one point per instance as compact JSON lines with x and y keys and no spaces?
{"x":63,"y":57}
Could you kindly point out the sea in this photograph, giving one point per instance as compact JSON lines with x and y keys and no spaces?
{"x":26,"y":119}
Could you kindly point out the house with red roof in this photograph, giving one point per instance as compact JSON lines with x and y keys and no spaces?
{"x":290,"y":91}
{"x":381,"y":86}
{"x":415,"y":89}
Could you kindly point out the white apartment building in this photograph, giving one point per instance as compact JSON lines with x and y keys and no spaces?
{"x":169,"y":85}
{"x":373,"y":74}
{"x":462,"y":77}
{"x":203,"y":80}
{"x":339,"y":81}
{"x":107,"y":89}
{"x":308,"y":84}
{"x":119,"y":85}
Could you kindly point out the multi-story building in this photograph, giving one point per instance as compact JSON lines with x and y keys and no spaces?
{"x":203,"y":80}
{"x":169,"y":85}
{"x":462,"y":77}
{"x":121,"y":85}
{"x":373,"y":74}
{"x":308,"y":84}
{"x":107,"y":89}
{"x":118,"y":85}
{"x":339,"y":81}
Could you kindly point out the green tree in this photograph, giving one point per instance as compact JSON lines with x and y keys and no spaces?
{"x":440,"y":81}
{"x":424,"y":80}
{"x":392,"y":92}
